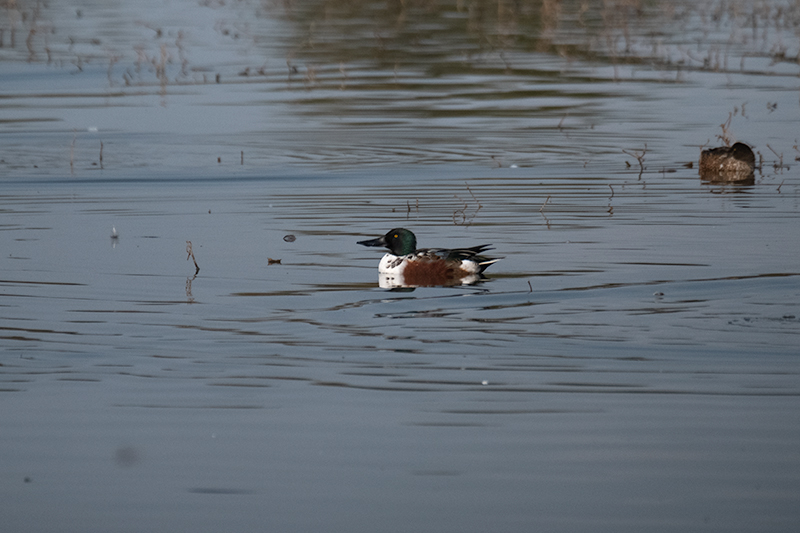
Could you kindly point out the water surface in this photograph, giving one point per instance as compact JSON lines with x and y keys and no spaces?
{"x":630,"y":364}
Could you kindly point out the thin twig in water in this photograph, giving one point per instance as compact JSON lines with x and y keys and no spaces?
{"x":462,"y":212}
{"x":726,"y":134}
{"x":189,"y":296}
{"x":474,"y":198}
{"x":466,"y":220}
{"x":409,"y":208}
{"x":546,"y":220}
{"x":72,"y":153}
{"x":191,"y":254}
{"x":101,"y":154}
{"x":530,"y":287}
{"x":545,"y":203}
{"x":639,"y":157}
{"x":779,"y":164}
{"x":541,"y":210}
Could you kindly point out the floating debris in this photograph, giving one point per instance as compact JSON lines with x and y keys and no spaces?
{"x":289,"y":238}
{"x":271,"y":261}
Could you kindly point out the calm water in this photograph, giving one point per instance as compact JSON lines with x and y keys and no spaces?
{"x":631,"y":364}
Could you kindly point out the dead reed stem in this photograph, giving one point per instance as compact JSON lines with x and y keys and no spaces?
{"x":191,"y":254}
{"x":639,"y":157}
{"x":72,"y":153}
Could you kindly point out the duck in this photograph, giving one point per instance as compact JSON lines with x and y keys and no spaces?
{"x":728,"y":163}
{"x":405,"y":265}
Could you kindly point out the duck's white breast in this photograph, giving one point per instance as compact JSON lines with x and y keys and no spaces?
{"x":391,"y":264}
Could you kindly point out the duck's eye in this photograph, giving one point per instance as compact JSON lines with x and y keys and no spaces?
{"x":395,"y":235}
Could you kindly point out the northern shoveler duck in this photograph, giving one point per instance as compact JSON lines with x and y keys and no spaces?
{"x":407,"y":266}
{"x":727,"y":163}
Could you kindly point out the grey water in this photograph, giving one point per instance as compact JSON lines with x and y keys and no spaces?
{"x":630,"y":364}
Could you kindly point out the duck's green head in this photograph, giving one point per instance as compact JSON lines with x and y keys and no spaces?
{"x":399,"y":241}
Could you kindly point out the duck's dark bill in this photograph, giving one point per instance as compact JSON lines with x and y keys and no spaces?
{"x":380,"y":241}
